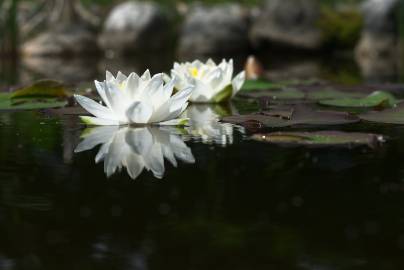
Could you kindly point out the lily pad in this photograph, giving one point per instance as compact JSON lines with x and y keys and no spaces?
{"x":282,"y":94}
{"x":8,"y":103}
{"x":329,"y":93}
{"x":388,"y":116}
{"x":251,"y":85}
{"x":301,"y":115}
{"x":42,"y":88}
{"x":376,"y":99}
{"x":321,"y":138}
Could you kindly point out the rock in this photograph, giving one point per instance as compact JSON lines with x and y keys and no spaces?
{"x":290,"y":23}
{"x":215,"y":30}
{"x":135,"y":26}
{"x":381,"y":16}
{"x":377,"y":51}
{"x":67,"y":40}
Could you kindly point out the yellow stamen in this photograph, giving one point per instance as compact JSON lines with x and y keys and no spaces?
{"x":194,"y":72}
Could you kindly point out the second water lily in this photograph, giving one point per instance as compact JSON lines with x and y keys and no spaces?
{"x":213,"y":83}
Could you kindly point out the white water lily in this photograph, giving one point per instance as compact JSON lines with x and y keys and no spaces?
{"x":135,"y":100}
{"x":135,"y":149}
{"x":213,"y":83}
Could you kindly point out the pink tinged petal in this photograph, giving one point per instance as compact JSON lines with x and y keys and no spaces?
{"x":95,"y":108}
{"x":238,"y":82}
{"x":139,"y":113}
{"x":95,"y":121}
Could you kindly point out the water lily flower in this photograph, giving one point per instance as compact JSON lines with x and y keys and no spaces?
{"x":213,"y":83}
{"x":136,"y":100}
{"x":135,"y":149}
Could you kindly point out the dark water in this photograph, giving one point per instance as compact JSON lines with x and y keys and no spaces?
{"x":246,"y":205}
{"x":231,"y":203}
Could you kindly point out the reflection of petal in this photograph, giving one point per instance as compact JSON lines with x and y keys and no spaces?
{"x":136,"y":149}
{"x":95,"y":136}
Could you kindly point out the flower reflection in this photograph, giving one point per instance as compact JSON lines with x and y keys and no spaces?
{"x":204,"y":123}
{"x":135,"y":148}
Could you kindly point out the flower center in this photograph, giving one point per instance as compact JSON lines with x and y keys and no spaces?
{"x":194,"y":72}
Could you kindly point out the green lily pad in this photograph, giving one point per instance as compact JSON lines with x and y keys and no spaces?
{"x":301,"y":115}
{"x":9,"y":103}
{"x":321,"y":138}
{"x":42,"y":88}
{"x":389,"y":116}
{"x":376,"y":99}
{"x":329,"y":93}
{"x":276,"y":94}
{"x":251,"y":85}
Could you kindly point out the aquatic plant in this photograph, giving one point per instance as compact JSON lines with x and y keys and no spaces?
{"x":136,"y":100}
{"x":213,"y":83}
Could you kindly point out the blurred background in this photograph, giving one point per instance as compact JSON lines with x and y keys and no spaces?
{"x":346,"y":41}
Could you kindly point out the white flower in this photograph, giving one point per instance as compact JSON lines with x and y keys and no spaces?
{"x":135,"y":149}
{"x":213,"y":83}
{"x":135,"y":100}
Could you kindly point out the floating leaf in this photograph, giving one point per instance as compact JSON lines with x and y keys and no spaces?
{"x":321,"y":138}
{"x":8,"y":103}
{"x":284,"y":93}
{"x":329,"y":93}
{"x":250,"y":85}
{"x":301,"y":115}
{"x":42,"y":88}
{"x":389,"y":116}
{"x":376,"y":99}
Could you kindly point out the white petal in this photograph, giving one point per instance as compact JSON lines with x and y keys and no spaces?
{"x":238,"y":82}
{"x":99,"y":121}
{"x":146,"y":75}
{"x":134,"y":165}
{"x":140,"y":140}
{"x":101,"y":86}
{"x":139,"y":113}
{"x":132,"y":84}
{"x":210,"y":62}
{"x":109,"y":76}
{"x":95,"y":108}
{"x":121,"y":77}
{"x":202,"y":92}
{"x":155,"y":161}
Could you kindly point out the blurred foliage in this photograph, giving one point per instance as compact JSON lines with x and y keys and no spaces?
{"x":340,"y":28}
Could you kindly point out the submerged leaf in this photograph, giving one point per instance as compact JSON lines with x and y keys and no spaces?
{"x":8,"y":103}
{"x":321,"y":138}
{"x":389,"y":116}
{"x":376,"y":99}
{"x":42,"y":88}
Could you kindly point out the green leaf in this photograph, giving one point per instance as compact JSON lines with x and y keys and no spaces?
{"x":250,"y":85}
{"x":281,"y":94}
{"x":8,"y":103}
{"x":389,"y":116}
{"x":376,"y":99}
{"x":42,"y":88}
{"x":223,"y":95}
{"x":321,"y":138}
{"x":328,"y":93}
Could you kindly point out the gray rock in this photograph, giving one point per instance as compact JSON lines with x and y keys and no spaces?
{"x":67,"y":40}
{"x":290,"y":23}
{"x":214,"y":30}
{"x":135,"y":26}
{"x":380,"y":16}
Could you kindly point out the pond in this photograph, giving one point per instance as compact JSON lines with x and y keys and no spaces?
{"x":221,"y":200}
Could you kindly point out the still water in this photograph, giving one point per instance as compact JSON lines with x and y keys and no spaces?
{"x":200,"y":197}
